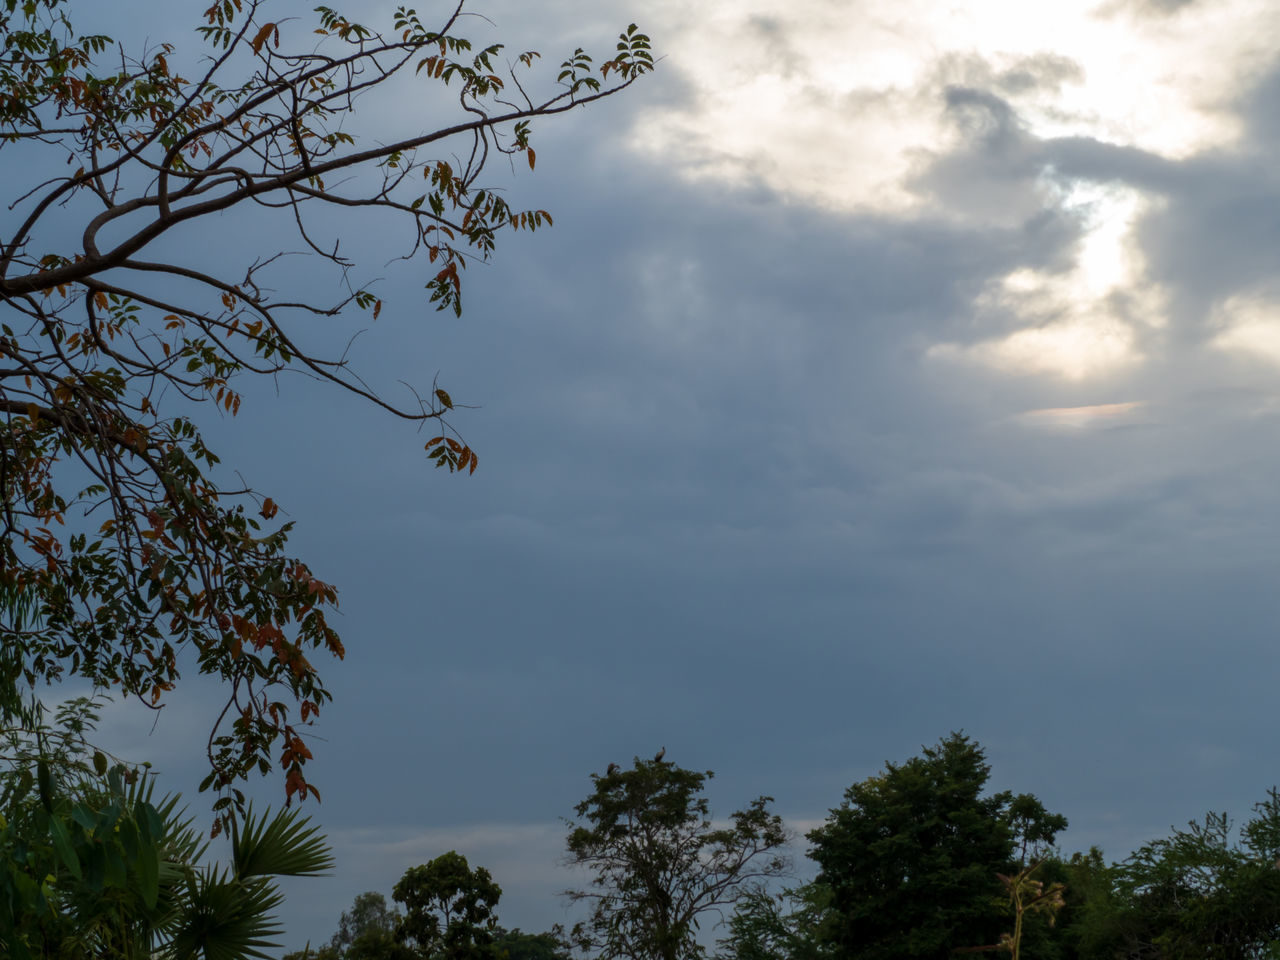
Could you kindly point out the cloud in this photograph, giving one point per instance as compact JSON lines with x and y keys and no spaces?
{"x":1250,"y":325}
{"x":1080,"y":418}
{"x":890,"y":369}
{"x":834,"y":103}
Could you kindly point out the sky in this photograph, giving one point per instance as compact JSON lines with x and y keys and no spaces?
{"x":893,"y":368}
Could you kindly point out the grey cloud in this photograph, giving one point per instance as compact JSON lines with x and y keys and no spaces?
{"x":1046,"y":71}
{"x":1209,"y":237}
{"x":992,"y":176}
{"x":728,"y":504}
{"x":1041,"y":72}
{"x":1155,"y":8}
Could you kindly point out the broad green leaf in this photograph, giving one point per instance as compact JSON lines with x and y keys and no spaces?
{"x":62,"y":843}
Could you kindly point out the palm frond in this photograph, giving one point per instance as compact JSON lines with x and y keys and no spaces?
{"x":226,"y":918}
{"x":285,"y":844}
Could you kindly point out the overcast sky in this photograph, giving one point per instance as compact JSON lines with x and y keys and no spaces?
{"x":893,"y":368}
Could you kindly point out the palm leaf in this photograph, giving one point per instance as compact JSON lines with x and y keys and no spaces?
{"x":283,"y":845}
{"x":226,"y":918}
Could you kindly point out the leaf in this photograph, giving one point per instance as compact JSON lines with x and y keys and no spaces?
{"x":62,"y":843}
{"x":263,"y":35}
{"x":532,"y":157}
{"x":148,"y":868}
{"x":82,"y":815}
{"x":444,"y":398}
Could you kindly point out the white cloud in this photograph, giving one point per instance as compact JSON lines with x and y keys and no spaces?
{"x":845,"y":106}
{"x":835,"y":102}
{"x":1250,"y":326}
{"x":1081,"y":322}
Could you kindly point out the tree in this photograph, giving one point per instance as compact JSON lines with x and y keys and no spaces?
{"x":448,"y":909}
{"x":365,"y":932}
{"x":1092,"y":924}
{"x":659,"y":865}
{"x":913,"y":854}
{"x":92,"y":865}
{"x":371,"y":931}
{"x":132,"y":554}
{"x":1200,"y":893}
{"x":368,"y":930}
{"x":518,"y":945}
{"x":769,"y":926}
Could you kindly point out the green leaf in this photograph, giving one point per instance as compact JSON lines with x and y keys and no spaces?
{"x":285,"y":845}
{"x":84,"y":816}
{"x":62,"y":844}
{"x":149,"y":875}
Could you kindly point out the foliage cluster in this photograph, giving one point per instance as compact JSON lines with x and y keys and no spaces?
{"x":127,"y":555}
{"x":919,"y":862}
{"x":133,"y":554}
{"x":449,"y":914}
{"x":94,"y":865}
{"x":659,"y":864}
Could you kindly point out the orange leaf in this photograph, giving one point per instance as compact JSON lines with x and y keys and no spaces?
{"x":263,"y":35}
{"x":532,"y":157}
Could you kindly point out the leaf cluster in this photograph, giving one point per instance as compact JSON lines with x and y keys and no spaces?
{"x":93,"y":864}
{"x":130,"y":553}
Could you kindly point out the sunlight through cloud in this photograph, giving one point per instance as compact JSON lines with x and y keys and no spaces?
{"x":1086,"y":320}
{"x":836,"y":103}
{"x":1250,"y":326}
{"x":878,"y":107}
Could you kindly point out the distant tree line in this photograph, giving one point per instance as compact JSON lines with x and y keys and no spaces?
{"x":919,"y":862}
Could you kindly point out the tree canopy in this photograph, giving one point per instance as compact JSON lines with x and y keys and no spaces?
{"x":449,"y":909}
{"x":1203,"y":891}
{"x":132,"y":554}
{"x":450,"y":913}
{"x":658,"y":865}
{"x":912,"y":856}
{"x":920,"y":861}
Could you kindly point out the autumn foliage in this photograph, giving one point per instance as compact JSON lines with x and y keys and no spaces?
{"x":126,"y":556}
